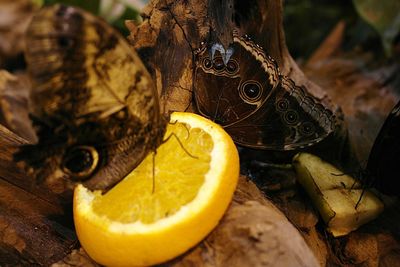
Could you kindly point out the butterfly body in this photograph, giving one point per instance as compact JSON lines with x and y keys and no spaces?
{"x":257,"y":105}
{"x":92,"y":99}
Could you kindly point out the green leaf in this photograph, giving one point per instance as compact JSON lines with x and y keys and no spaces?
{"x":38,"y":2}
{"x":114,"y":12}
{"x":129,"y":14}
{"x":111,"y":10}
{"x":383,"y":16}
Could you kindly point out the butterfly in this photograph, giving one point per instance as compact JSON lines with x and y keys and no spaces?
{"x":384,"y":158}
{"x":93,"y":104}
{"x":243,"y":90}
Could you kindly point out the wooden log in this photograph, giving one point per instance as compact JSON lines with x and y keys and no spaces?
{"x":34,"y":228}
{"x":32,"y":231}
{"x":254,"y":232}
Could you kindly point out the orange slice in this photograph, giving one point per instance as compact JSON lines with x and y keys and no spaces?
{"x":148,"y":219}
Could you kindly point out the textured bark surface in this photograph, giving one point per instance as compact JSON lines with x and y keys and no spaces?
{"x":34,"y":230}
{"x":31,"y":229}
{"x":253,"y":232}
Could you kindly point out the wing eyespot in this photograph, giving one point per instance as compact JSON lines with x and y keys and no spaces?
{"x":250,"y":91}
{"x":291,"y":117}
{"x":232,"y":67}
{"x":218,"y":64}
{"x":207,"y":64}
{"x":80,"y":162}
{"x":282,"y":105}
{"x":307,"y":128}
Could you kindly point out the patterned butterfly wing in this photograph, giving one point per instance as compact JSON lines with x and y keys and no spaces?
{"x":384,"y":158}
{"x":289,"y":119}
{"x":94,"y":105}
{"x":232,"y":92}
{"x":256,"y":105}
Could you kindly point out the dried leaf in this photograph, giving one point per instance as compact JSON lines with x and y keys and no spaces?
{"x":14,"y":19}
{"x":14,"y":92}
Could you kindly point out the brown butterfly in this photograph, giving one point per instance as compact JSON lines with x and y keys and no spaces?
{"x":93,"y":103}
{"x":242,"y":89}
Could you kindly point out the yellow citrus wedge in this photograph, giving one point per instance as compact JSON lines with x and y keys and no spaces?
{"x":148,"y":219}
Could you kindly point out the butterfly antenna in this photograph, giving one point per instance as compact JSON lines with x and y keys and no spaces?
{"x":184,"y":125}
{"x":192,"y":99}
{"x":359,"y":199}
{"x":354,"y":183}
{"x":364,"y":188}
{"x":188,"y":105}
{"x":163,"y":107}
{"x":352,"y":187}
{"x":365,"y":184}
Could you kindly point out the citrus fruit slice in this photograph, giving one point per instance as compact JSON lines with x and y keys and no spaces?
{"x":161,"y":210}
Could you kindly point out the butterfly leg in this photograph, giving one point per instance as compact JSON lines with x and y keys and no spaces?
{"x":180,"y":144}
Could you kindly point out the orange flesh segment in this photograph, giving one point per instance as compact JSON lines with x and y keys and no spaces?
{"x":136,"y":198}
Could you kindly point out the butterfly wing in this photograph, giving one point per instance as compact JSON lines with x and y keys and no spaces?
{"x":289,"y":119}
{"x":228,"y":93}
{"x":90,"y":89}
{"x":256,"y":105}
{"x":384,"y":157}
